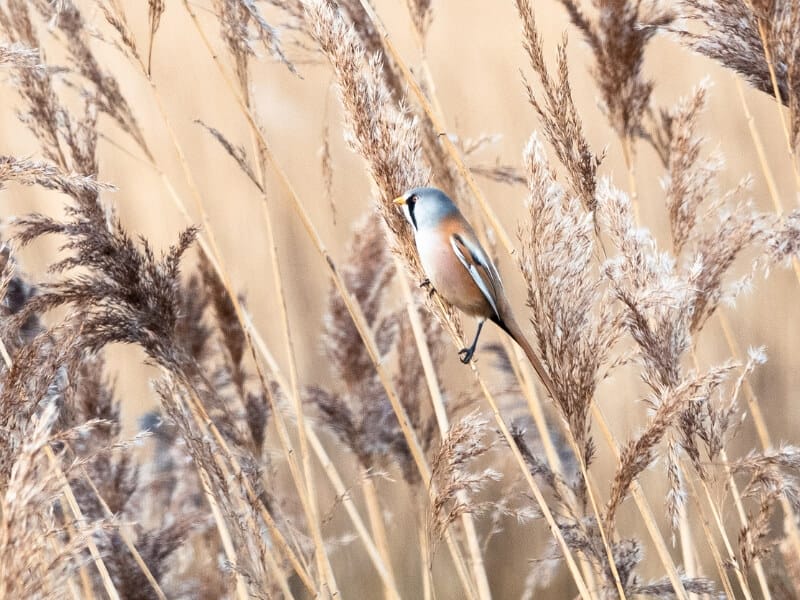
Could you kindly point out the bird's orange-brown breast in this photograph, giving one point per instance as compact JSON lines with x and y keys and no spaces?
{"x":449,"y":277}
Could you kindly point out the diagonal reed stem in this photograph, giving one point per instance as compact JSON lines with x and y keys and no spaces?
{"x":323,"y":564}
{"x":715,"y":553}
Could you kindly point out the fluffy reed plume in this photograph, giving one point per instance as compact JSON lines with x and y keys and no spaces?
{"x":689,"y":180}
{"x":104,"y":88}
{"x":639,"y":454}
{"x":377,"y":128}
{"x":575,"y":320}
{"x":657,"y":315}
{"x":693,"y":198}
{"x":773,"y":475}
{"x":783,"y":239}
{"x":130,"y":296}
{"x":18,"y":55}
{"x":382,"y":133}
{"x":560,"y":119}
{"x":618,"y":36}
{"x":38,"y":554}
{"x":47,"y":175}
{"x":457,"y":478}
{"x":758,"y":40}
{"x":443,"y":172}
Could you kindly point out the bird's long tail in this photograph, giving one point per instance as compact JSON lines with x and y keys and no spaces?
{"x":511,"y":327}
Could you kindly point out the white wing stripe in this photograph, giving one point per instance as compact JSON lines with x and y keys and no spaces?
{"x":486,"y":287}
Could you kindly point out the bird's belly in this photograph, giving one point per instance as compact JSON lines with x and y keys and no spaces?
{"x":450,"y":277}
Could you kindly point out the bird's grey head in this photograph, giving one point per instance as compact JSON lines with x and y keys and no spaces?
{"x":425,"y":207}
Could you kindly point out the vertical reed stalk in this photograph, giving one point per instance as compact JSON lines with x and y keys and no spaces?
{"x":376,"y":524}
{"x":722,"y":569}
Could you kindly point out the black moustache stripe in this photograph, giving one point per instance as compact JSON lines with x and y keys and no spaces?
{"x":411,"y":206}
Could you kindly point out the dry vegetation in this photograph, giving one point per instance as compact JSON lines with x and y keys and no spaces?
{"x":354,"y":456}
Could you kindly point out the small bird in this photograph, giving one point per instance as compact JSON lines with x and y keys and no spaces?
{"x":459,"y":269}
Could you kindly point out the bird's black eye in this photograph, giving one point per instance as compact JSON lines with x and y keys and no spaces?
{"x":412,"y":199}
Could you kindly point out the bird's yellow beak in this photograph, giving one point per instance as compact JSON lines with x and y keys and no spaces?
{"x":401,"y":200}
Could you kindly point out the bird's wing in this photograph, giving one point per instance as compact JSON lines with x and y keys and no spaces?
{"x":480,"y":268}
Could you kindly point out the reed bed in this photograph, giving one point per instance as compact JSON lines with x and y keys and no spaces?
{"x":265,"y":403}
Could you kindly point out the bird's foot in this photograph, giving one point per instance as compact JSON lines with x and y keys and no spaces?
{"x":466,"y":354}
{"x":428,"y":286}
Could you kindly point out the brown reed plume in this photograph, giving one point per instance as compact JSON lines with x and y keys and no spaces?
{"x":379,"y":129}
{"x":382,"y":133}
{"x":758,"y":40}
{"x":618,"y":36}
{"x":575,"y":321}
{"x":560,"y":119}
{"x":458,"y":479}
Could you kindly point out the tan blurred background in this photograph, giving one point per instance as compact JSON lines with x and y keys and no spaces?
{"x":475,"y":54}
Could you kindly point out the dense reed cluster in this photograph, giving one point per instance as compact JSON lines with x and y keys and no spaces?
{"x":253,"y":477}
